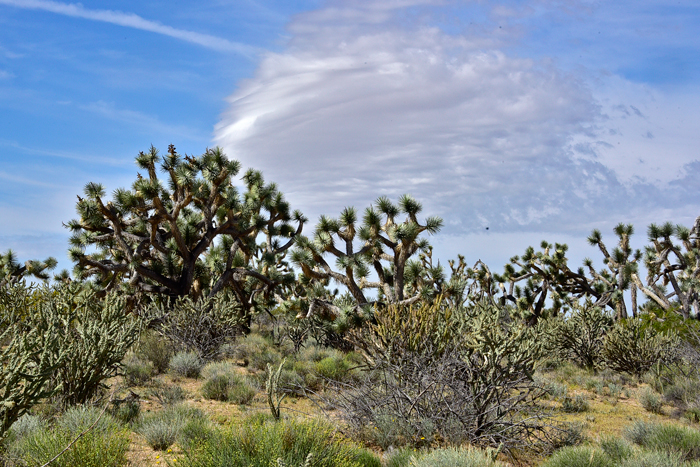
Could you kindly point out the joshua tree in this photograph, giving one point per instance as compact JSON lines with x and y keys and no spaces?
{"x":546,"y":275}
{"x":382,"y":243}
{"x":194,"y":235}
{"x":622,"y":264}
{"x":677,"y":266}
{"x":12,"y":271}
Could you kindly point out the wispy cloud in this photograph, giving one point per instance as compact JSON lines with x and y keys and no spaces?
{"x":144,"y":122}
{"x":109,"y":161}
{"x":132,"y":20}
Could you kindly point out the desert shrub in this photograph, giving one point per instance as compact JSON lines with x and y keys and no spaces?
{"x":651,"y":401}
{"x":126,"y":412}
{"x":681,"y":440}
{"x":162,"y":429}
{"x":455,"y":375}
{"x":136,"y":371}
{"x":579,"y":338}
{"x":579,"y":456}
{"x":334,"y":368}
{"x":260,"y":443}
{"x":228,"y":388}
{"x":202,"y":326}
{"x":399,"y":457}
{"x":653,"y":459}
{"x":575,"y":404}
{"x":616,"y":448}
{"x":156,"y":349}
{"x":454,"y":457}
{"x":195,"y":432}
{"x":187,"y":364}
{"x":167,"y":394}
{"x":257,"y":352}
{"x":223,"y":383}
{"x":634,"y":348}
{"x":564,"y":434}
{"x":103,"y":446}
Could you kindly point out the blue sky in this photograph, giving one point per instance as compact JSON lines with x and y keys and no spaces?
{"x":540,"y":119}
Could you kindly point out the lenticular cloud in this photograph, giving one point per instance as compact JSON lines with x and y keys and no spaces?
{"x":363,"y":103}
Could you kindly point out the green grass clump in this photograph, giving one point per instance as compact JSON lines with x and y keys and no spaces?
{"x":162,"y":429}
{"x":155,"y":349}
{"x":187,"y":364}
{"x":575,"y":404}
{"x":224,"y":384}
{"x":136,"y":371}
{"x":103,"y":446}
{"x":651,"y":401}
{"x":258,"y":442}
{"x":616,"y":448}
{"x":653,"y":459}
{"x":675,"y":439}
{"x":579,"y":456}
{"x":454,"y":457}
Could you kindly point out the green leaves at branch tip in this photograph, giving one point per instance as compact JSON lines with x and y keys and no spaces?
{"x":409,"y":205}
{"x":94,"y":190}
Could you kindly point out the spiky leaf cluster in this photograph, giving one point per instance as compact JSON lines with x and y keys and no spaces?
{"x":12,"y":271}
{"x":191,"y":232}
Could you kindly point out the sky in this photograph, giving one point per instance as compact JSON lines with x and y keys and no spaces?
{"x":515,"y":121}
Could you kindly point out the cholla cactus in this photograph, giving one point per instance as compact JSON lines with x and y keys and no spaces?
{"x":29,"y":356}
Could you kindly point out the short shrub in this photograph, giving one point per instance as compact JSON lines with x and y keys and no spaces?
{"x":187,"y":364}
{"x":454,"y":457}
{"x":259,"y":443}
{"x":136,"y":371}
{"x":195,"y":432}
{"x":651,"y":401}
{"x":579,"y":456}
{"x":575,"y":404}
{"x":616,"y":448}
{"x":639,"y":432}
{"x":103,"y":446}
{"x":155,"y":349}
{"x":168,"y":394}
{"x":634,"y":348}
{"x":224,"y":384}
{"x":681,"y":440}
{"x":566,"y":434}
{"x":399,"y":457}
{"x":126,"y":411}
{"x":653,"y":459}
{"x":333,"y":368}
{"x":256,"y":351}
{"x":162,"y":429}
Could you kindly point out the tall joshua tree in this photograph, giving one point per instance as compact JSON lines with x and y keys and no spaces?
{"x":382,"y":242}
{"x":193,"y":235}
{"x":547,"y":279}
{"x":673,"y":270}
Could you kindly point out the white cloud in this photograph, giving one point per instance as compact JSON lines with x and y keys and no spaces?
{"x":132,"y":20}
{"x":365,"y":103}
